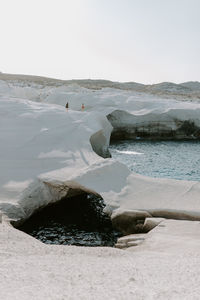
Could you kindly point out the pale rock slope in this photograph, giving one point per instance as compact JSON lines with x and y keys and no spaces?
{"x":133,"y":109}
{"x":47,"y":153}
{"x":46,"y":150}
{"x":44,"y":146}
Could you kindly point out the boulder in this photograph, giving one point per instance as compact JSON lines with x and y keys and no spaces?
{"x":129,"y":221}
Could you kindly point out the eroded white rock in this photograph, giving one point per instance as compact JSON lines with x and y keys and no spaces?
{"x":130,"y":240}
{"x":150,"y":223}
{"x":44,"y":147}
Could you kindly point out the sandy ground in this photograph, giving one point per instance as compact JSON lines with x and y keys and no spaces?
{"x":165,"y":266}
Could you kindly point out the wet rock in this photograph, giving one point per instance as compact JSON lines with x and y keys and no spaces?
{"x":78,"y":220}
{"x":129,"y":221}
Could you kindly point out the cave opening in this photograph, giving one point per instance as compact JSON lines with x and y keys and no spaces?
{"x":79,"y":220}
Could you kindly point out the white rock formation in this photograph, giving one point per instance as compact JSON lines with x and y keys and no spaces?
{"x":130,"y":240}
{"x":46,"y":152}
{"x":133,"y":109}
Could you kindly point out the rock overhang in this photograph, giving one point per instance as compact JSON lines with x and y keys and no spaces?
{"x":77,"y":136}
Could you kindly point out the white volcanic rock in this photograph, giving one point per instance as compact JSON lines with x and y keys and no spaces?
{"x":45,"y":151}
{"x":132,"y":113}
{"x":171,"y":235}
{"x":38,"y":138}
{"x":178,"y":122}
{"x":167,"y":198}
{"x":130,"y":240}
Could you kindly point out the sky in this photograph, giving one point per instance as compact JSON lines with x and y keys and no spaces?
{"x":147,"y":41}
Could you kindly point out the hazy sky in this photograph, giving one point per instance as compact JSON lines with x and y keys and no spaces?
{"x":145,"y":41}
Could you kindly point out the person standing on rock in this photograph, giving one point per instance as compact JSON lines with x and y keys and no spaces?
{"x":82,"y":107}
{"x":67,"y":106}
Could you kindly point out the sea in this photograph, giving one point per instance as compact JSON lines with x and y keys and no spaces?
{"x":160,"y":159}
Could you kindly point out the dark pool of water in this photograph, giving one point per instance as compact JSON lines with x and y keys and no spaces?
{"x":74,"y":221}
{"x":171,"y":159}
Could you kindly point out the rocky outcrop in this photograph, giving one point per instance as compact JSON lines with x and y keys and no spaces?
{"x":164,"y":126}
{"x":133,"y":221}
{"x":129,"y":221}
{"x":47,"y":152}
{"x":100,"y":144}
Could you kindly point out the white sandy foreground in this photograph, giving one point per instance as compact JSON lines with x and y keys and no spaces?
{"x":46,"y":153}
{"x":165,"y":266}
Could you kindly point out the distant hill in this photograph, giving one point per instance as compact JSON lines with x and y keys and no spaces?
{"x":193,"y":85}
{"x":169,"y":87}
{"x":190,"y":89}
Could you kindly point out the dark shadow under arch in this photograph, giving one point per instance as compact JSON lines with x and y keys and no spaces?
{"x":78,"y":220}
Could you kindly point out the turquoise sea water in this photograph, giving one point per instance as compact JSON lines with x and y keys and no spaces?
{"x":171,"y":159}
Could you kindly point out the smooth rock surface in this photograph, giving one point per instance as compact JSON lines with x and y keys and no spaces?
{"x":151,"y":223}
{"x":164,"y":266}
{"x":177,"y":199}
{"x":47,"y":153}
{"x":130,"y":240}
